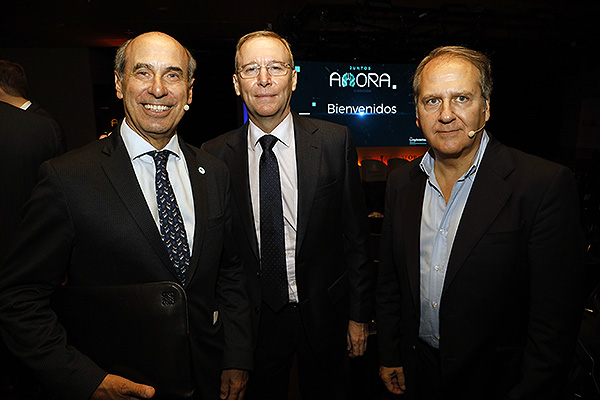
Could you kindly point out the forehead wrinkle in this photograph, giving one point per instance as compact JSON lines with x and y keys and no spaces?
{"x":270,"y":46}
{"x":262,"y":61}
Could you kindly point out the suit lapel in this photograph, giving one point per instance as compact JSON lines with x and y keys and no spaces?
{"x":488,"y":196}
{"x":199,"y":192}
{"x":237,"y":162}
{"x":120,"y":173}
{"x":308,"y":161}
{"x":412,"y":211}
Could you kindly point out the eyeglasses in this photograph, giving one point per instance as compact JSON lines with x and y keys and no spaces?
{"x":274,"y":68}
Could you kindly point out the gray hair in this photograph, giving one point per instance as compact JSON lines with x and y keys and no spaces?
{"x":259,"y":34}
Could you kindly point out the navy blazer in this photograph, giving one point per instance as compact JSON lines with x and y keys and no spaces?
{"x":511,"y":299}
{"x":334,"y":272}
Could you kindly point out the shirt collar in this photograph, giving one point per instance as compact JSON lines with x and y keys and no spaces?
{"x":428,"y":161}
{"x":25,"y":105}
{"x":284,"y":132}
{"x":137,"y":146}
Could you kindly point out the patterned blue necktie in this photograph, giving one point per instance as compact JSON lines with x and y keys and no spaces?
{"x":272,"y":246}
{"x":172,"y":228}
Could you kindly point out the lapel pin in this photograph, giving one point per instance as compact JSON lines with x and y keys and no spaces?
{"x":201,"y":170}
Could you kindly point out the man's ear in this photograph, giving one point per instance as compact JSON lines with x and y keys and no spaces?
{"x":190,"y":91}
{"x":236,"y":85}
{"x":118,"y":86}
{"x":487,"y":110}
{"x":294,"y":79}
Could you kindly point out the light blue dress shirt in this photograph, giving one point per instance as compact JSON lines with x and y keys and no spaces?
{"x":439,"y":223}
{"x":145,"y":171}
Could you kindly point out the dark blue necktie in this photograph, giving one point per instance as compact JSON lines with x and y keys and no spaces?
{"x":172,"y":228}
{"x":272,"y":247}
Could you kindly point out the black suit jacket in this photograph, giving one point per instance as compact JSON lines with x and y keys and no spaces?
{"x":26,"y":140}
{"x":512,"y":293}
{"x":334,"y":275}
{"x":37,"y":109}
{"x":88,"y":221}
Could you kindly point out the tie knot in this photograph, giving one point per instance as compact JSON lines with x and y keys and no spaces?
{"x":160,"y":157}
{"x":268,"y":141}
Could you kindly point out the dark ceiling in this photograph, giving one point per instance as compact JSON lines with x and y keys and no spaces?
{"x":388,"y":30}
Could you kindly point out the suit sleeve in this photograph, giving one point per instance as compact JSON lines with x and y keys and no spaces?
{"x":555,"y":255}
{"x":233,"y":298}
{"x":361,"y":269}
{"x":34,"y":269}
{"x":388,"y":312}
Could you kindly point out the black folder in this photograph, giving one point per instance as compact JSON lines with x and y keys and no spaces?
{"x":139,"y":332}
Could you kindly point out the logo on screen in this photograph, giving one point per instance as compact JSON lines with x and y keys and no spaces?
{"x":360,"y":80}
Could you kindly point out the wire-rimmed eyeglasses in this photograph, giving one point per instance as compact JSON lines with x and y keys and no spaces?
{"x":274,"y":68}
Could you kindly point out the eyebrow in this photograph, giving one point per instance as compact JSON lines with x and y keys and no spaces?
{"x":150,"y":67}
{"x":257,"y":63}
{"x":453,"y":94}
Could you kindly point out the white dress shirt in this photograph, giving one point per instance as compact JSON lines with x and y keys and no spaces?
{"x":145,"y":171}
{"x":285,"y":151}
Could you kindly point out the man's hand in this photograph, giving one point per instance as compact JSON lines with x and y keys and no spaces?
{"x":116,"y":387}
{"x":356,"y":337}
{"x":233,"y":384}
{"x":393,"y":377}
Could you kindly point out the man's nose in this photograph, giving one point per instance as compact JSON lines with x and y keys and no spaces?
{"x":446,"y":112}
{"x":158,"y":88}
{"x":264,"y":77}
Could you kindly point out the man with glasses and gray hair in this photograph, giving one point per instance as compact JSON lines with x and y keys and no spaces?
{"x":300,"y":224}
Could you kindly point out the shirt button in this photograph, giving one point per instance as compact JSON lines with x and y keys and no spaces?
{"x":435,"y":305}
{"x":437,"y":267}
{"x":437,"y":336}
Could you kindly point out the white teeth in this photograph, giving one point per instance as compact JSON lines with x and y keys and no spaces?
{"x":156,"y":107}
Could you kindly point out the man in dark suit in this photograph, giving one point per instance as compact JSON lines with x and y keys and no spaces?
{"x":326,"y":282}
{"x":14,"y":90}
{"x":480,"y":279}
{"x":96,"y":219}
{"x":26,"y":141}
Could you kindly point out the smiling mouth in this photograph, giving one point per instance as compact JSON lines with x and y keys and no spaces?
{"x":156,"y":107}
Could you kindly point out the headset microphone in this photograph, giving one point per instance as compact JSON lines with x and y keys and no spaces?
{"x":472,"y":134}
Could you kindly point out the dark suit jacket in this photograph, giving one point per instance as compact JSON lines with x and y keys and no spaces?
{"x":512,"y":293}
{"x":37,"y":109}
{"x":26,"y":140}
{"x":88,"y":220}
{"x":334,"y":275}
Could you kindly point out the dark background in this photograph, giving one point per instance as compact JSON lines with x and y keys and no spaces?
{"x":544,"y":55}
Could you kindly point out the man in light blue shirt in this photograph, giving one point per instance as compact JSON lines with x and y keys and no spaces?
{"x":480,"y":274}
